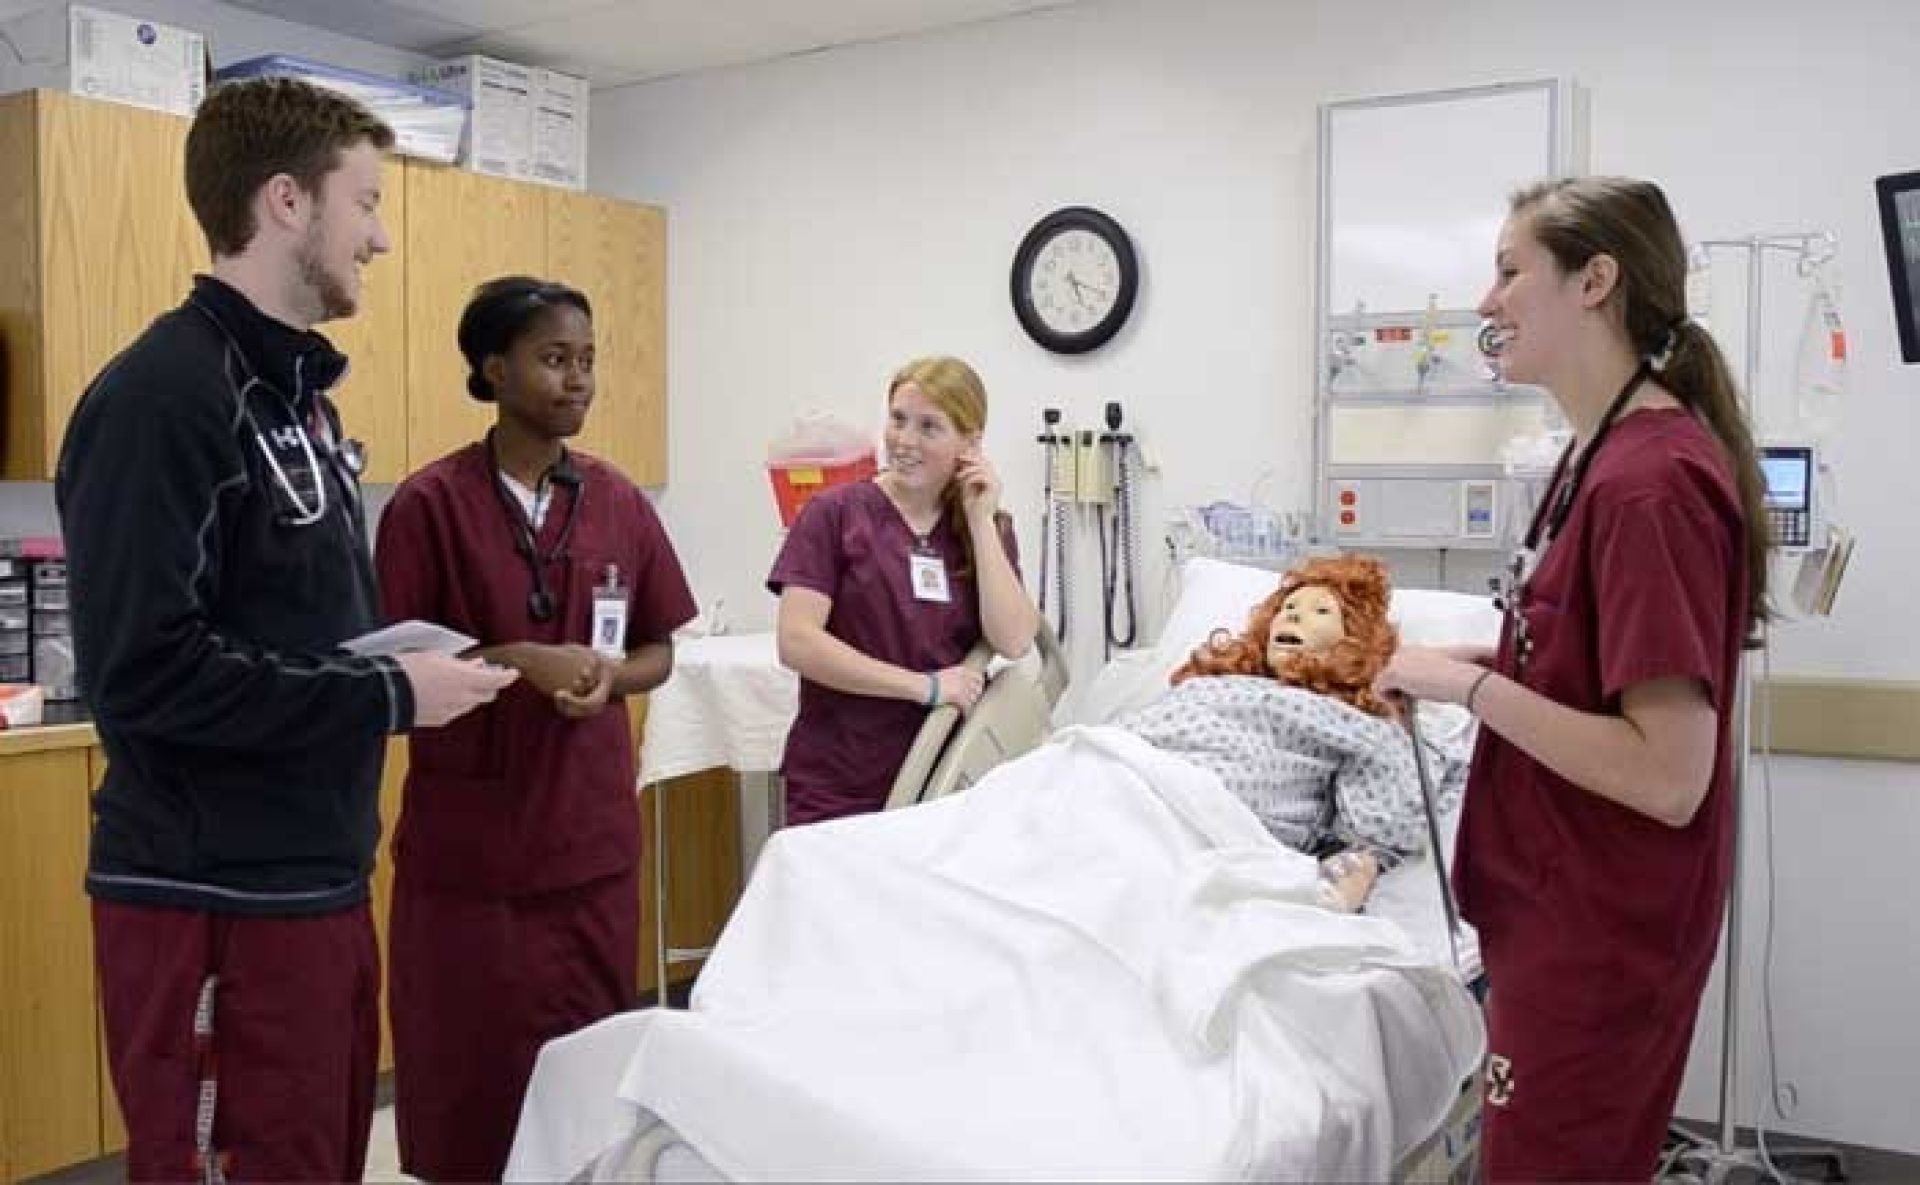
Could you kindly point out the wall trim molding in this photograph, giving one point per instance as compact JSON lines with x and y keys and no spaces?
{"x":1861,"y":719}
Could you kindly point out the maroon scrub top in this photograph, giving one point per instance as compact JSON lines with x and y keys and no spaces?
{"x":515,"y":798}
{"x":1594,"y":917}
{"x":851,"y":545}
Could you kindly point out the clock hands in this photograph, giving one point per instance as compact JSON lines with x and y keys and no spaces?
{"x":1079,"y":289}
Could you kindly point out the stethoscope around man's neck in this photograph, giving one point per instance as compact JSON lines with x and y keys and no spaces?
{"x":350,"y":453}
{"x":540,"y":601}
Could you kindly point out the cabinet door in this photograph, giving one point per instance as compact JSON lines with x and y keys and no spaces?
{"x":49,"y":1067}
{"x":373,"y":399}
{"x":615,"y":252}
{"x":113,"y":1126}
{"x":23,"y":421}
{"x":119,"y":245}
{"x":392,"y":782}
{"x":462,"y":229}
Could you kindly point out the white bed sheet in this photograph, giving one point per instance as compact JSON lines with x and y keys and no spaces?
{"x":922,"y":995}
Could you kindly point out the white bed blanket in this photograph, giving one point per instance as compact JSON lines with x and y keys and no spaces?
{"x":1095,"y":964}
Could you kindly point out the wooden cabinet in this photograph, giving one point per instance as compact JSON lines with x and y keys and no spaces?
{"x":113,"y":1126}
{"x":703,"y":867}
{"x":96,"y":239}
{"x":463,"y":229}
{"x":392,"y":783}
{"x":602,"y":247}
{"x":49,"y":1034}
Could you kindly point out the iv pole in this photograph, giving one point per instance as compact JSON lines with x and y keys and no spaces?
{"x":1709,"y":1160}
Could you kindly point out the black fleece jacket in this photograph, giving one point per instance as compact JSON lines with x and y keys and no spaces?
{"x":210,"y":596}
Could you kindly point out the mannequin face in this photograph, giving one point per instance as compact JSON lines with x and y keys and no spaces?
{"x":1310,"y":621}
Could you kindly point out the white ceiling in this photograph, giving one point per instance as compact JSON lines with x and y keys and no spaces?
{"x":614,"y":42}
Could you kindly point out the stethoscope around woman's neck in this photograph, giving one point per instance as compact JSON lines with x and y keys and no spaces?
{"x":540,"y":601}
{"x":1551,"y":514}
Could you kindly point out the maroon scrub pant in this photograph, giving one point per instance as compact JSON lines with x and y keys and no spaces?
{"x":1568,"y":1102}
{"x":292,"y":1045}
{"x":479,"y":985}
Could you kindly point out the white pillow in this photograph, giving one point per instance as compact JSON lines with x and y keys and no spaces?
{"x":1436,"y":617}
{"x":1213,"y":595}
{"x":1218,"y":595}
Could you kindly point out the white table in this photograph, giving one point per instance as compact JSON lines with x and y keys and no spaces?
{"x":728,"y":705}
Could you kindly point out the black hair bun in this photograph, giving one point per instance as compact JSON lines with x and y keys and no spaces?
{"x":479,"y":387}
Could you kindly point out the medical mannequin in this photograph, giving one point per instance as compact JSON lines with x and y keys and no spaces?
{"x":1325,"y":629}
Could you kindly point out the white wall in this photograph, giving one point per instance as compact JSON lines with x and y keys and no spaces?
{"x":834,"y":214}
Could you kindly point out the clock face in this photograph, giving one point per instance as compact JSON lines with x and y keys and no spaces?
{"x":1075,"y":282}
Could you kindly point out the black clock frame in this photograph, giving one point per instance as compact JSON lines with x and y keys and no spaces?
{"x":1044,"y":231}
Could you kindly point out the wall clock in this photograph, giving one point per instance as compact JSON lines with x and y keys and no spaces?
{"x":1074,"y":280}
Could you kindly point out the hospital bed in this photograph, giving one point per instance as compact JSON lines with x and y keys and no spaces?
{"x":574,"y":1122}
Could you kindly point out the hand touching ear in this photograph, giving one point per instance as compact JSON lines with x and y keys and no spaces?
{"x":979,"y":484}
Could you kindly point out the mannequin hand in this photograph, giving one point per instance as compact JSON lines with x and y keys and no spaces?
{"x":578,"y":705}
{"x":1427,"y":674}
{"x":961,"y":686}
{"x":1346,"y":880}
{"x":979,"y":485}
{"x":554,"y":669}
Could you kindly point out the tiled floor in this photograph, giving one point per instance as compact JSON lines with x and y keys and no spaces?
{"x":383,"y":1152}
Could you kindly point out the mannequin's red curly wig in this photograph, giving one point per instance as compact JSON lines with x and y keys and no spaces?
{"x":1348,"y":669}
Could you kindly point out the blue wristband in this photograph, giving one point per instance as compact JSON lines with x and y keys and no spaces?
{"x":933,"y":690}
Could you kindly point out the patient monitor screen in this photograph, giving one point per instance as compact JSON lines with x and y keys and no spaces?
{"x":1786,"y":471}
{"x":1900,"y":226}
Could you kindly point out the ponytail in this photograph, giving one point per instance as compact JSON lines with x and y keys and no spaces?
{"x":1696,"y":373}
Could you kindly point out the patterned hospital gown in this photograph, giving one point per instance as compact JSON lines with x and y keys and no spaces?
{"x":1317,"y":771}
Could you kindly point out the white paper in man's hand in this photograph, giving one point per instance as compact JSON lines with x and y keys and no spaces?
{"x":409,"y":636}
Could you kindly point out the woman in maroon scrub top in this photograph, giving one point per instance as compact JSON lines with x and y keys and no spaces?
{"x":885,"y":585}
{"x":516,"y":895}
{"x":1597,"y":837}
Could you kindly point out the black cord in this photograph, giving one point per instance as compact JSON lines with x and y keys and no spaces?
{"x":1125,"y":536}
{"x":1551,"y":514}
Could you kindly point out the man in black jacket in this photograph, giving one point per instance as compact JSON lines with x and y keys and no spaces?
{"x":217,"y":549}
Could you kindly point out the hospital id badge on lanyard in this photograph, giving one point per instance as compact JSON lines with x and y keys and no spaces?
{"x":610,"y":616}
{"x":928,"y":573}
